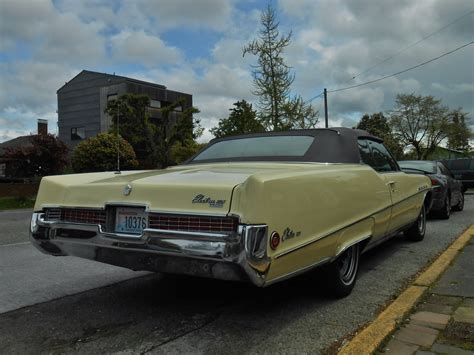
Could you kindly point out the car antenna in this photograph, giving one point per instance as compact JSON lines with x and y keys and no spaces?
{"x":118,"y":139}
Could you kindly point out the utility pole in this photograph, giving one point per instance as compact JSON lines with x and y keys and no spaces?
{"x":326,"y":107}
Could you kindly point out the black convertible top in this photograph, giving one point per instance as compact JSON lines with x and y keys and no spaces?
{"x":330,"y":145}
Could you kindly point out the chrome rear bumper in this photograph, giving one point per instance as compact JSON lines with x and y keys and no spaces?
{"x":237,"y":256}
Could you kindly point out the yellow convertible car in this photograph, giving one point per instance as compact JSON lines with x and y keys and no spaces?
{"x":258,"y":207}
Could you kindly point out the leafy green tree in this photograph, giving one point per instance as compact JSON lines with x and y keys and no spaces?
{"x":242,"y":119}
{"x":421,"y":122}
{"x":99,"y":153}
{"x":46,"y":155}
{"x":181,"y":153}
{"x":377,"y":125}
{"x":175,"y":128}
{"x":130,"y":110}
{"x":460,"y":133}
{"x":152,"y":139}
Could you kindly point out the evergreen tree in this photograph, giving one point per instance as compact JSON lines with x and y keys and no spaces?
{"x":272,"y":77}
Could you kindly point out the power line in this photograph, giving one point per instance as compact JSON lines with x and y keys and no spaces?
{"x":402,"y":71}
{"x":315,"y":97}
{"x":412,"y":45}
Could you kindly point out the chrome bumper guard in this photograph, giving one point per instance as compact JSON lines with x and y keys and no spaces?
{"x":238,"y":256}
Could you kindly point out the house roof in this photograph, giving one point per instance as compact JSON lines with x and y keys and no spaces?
{"x":124,"y":78}
{"x":21,"y":141}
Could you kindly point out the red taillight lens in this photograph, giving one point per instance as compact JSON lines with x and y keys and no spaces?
{"x":274,"y":240}
{"x":435,"y":182}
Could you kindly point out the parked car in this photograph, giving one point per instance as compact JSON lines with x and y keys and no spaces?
{"x":447,"y":191}
{"x":260,"y":207}
{"x":463,"y":170}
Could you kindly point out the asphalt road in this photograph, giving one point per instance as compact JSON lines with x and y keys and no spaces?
{"x":164,"y":314}
{"x":29,"y":277}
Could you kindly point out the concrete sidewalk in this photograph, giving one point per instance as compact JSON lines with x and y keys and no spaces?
{"x":442,"y":322}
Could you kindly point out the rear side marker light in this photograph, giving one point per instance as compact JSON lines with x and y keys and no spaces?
{"x":274,"y":240}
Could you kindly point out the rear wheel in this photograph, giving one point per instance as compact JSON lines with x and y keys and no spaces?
{"x":416,"y":232}
{"x":460,"y":205}
{"x":445,"y":211}
{"x":342,"y":273}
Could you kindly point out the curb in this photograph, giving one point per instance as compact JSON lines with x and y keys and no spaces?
{"x":369,"y":339}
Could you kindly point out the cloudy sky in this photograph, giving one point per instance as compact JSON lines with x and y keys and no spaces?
{"x":195,"y":46}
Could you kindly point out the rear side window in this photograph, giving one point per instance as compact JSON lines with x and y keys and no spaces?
{"x":365,"y":153}
{"x":460,"y":164}
{"x":376,"y":155}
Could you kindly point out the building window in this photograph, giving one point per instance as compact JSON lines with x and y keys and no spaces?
{"x":112,"y":97}
{"x":78,"y":133}
{"x":178,"y":109}
{"x":155,"y":103}
{"x":3,"y":168}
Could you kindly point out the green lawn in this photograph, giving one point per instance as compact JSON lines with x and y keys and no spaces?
{"x":10,"y":203}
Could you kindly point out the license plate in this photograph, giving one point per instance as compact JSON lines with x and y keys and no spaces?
{"x":130,"y":220}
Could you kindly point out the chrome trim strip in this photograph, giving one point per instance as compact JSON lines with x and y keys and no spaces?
{"x":314,"y":240}
{"x":46,"y":205}
{"x":297,"y":272}
{"x":147,"y":209}
{"x":127,"y":204}
{"x":176,"y":233}
{"x":351,"y":244}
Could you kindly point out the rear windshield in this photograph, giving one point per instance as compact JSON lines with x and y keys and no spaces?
{"x":425,"y":166}
{"x":253,"y":147}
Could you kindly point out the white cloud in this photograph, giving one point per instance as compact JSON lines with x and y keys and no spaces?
{"x":47,"y":43}
{"x":32,"y":85}
{"x":38,"y":31}
{"x":213,"y":14}
{"x":139,"y":47}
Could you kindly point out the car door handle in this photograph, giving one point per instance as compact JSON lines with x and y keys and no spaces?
{"x":392,"y":186}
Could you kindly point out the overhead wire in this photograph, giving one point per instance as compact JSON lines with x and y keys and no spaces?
{"x":402,"y":71}
{"x":412,"y":45}
{"x":315,"y":97}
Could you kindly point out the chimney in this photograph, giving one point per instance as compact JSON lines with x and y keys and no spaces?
{"x":42,"y":127}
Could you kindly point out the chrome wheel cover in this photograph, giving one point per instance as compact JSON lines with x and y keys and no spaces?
{"x":422,"y":221}
{"x":347,"y":265}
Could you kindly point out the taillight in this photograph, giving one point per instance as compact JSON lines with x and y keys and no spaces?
{"x":274,"y":240}
{"x":435,"y":182}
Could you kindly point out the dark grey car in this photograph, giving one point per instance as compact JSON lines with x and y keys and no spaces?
{"x":463,"y":170}
{"x":447,"y":191}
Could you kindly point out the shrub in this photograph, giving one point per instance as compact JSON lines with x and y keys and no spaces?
{"x":46,"y":155}
{"x":99,"y":153}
